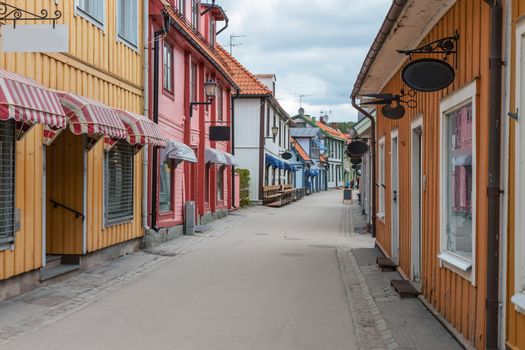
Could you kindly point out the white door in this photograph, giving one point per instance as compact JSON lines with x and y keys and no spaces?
{"x":416,"y":191}
{"x":395,"y":199}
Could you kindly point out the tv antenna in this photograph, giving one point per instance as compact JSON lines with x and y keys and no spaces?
{"x":233,"y":43}
{"x":301,"y":96}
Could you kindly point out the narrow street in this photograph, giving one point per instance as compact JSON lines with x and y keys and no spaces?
{"x":256,"y":280}
{"x":268,"y":283}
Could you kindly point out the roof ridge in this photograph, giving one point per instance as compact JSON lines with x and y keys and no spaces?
{"x":244,"y":69}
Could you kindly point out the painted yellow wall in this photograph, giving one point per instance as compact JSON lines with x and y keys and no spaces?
{"x":99,"y":67}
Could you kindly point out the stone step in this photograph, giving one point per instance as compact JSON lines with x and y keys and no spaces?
{"x":47,"y":273}
{"x":53,"y":261}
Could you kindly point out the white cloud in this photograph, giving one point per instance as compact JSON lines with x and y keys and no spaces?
{"x":314,"y":47}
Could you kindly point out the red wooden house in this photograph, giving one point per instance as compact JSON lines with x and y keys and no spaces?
{"x":183,"y":65}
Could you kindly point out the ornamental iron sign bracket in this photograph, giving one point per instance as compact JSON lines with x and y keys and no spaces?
{"x":445,"y":46}
{"x":10,"y":13}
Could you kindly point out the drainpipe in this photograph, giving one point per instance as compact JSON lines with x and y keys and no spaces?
{"x":373,"y":161}
{"x":494,"y":185}
{"x":145,"y":170}
{"x":388,"y":24}
{"x":233,"y":98}
{"x":155,"y":159}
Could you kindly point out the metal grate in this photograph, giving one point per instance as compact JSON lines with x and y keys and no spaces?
{"x":7,"y":182}
{"x":119,"y":183}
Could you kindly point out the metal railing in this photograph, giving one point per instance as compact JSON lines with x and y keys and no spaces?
{"x":77,"y":213}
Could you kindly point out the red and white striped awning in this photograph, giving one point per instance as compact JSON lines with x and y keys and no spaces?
{"x":90,"y":117}
{"x":141,"y":130}
{"x":28,"y":102}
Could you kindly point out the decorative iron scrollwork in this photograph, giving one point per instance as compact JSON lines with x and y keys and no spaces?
{"x":446,"y":46}
{"x":10,"y":13}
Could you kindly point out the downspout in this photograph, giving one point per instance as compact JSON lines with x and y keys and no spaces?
{"x":391,"y":18}
{"x":211,"y":7}
{"x":225,"y":26}
{"x":145,"y":170}
{"x":233,"y":98}
{"x":155,"y":160}
{"x":373,"y":161}
{"x":494,"y":185}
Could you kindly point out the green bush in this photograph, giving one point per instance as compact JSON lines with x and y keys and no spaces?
{"x":245,"y":186}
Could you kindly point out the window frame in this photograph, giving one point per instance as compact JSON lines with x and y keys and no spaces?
{"x":381,"y":151}
{"x":212,"y":32}
{"x":220,"y":103}
{"x":220,"y":189}
{"x":181,"y":9}
{"x":450,"y":260}
{"x":518,"y":299}
{"x":207,"y":171}
{"x":194,"y":76}
{"x":195,"y":15}
{"x":109,"y":222}
{"x":88,"y":17}
{"x":172,"y":167}
{"x":7,"y":242}
{"x":122,"y":39}
{"x":171,"y":91}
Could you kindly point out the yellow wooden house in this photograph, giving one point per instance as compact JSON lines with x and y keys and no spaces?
{"x":76,"y":188}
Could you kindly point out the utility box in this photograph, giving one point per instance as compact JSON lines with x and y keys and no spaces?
{"x":189,"y":218}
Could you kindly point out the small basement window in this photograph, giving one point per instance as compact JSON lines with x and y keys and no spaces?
{"x":118,"y":191}
{"x":7,"y":183}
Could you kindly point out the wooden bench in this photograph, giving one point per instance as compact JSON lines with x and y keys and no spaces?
{"x":272,"y":196}
{"x":288,"y":194}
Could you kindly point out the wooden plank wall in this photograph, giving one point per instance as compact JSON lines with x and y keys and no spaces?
{"x":515,"y":321}
{"x":461,"y":303}
{"x":98,"y":67}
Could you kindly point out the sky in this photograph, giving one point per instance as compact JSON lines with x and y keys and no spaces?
{"x":314,"y":47}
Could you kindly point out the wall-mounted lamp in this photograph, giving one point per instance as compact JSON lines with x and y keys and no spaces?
{"x":275,"y":131}
{"x":210,"y":89}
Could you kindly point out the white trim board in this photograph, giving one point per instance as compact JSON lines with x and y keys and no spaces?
{"x":465,"y":95}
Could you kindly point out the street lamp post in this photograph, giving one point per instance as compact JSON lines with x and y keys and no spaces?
{"x":210,"y":88}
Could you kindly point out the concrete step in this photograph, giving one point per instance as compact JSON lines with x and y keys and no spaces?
{"x":61,"y":270}
{"x":53,"y":261}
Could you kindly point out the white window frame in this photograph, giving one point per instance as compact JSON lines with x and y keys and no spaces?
{"x":381,"y":178}
{"x":8,"y":244}
{"x":120,"y":38}
{"x":80,"y":12}
{"x":518,"y":299}
{"x":460,"y":265}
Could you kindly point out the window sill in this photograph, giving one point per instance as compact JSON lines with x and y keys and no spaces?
{"x":519,"y":302}
{"x":127,"y":43}
{"x":81,"y":13}
{"x":168,"y":94}
{"x":456,"y":264}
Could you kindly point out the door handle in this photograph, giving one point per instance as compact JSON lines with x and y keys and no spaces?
{"x":395,"y":196}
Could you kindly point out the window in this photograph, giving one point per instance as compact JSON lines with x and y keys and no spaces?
{"x":181,"y":6}
{"x":193,"y":83}
{"x":213,"y":29}
{"x":167,"y":65}
{"x":7,"y":183}
{"x":220,"y":184}
{"x":195,"y":15}
{"x":220,"y":104}
{"x":118,"y":183}
{"x":166,"y":181}
{"x":381,"y":213}
{"x":457,"y":181}
{"x":93,"y":10}
{"x":207,"y":183}
{"x":274,"y":124}
{"x":267,"y":121}
{"x":127,"y":21}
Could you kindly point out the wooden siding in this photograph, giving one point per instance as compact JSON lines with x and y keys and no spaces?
{"x":515,"y":321}
{"x":97,"y":66}
{"x":461,"y":303}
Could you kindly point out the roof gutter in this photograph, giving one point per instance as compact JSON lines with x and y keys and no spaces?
{"x":391,"y":18}
{"x":494,"y":167}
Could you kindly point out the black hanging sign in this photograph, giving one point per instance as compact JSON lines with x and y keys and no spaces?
{"x":220,"y":133}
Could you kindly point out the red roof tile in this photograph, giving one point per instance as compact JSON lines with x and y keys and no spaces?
{"x":246,"y":81}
